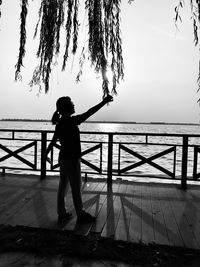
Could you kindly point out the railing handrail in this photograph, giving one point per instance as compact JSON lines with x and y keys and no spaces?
{"x":109,"y":132}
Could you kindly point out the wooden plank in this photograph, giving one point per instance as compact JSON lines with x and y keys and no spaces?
{"x":191,"y":213}
{"x":122,"y":216}
{"x":9,"y":198}
{"x":114,"y":202}
{"x":84,"y":229}
{"x":101,"y":214}
{"x":122,"y":231}
{"x":20,"y":182}
{"x":33,"y":212}
{"x":172,"y":228}
{"x":6,"y":196}
{"x":5,"y":192}
{"x":179,"y":207}
{"x":37,"y":208}
{"x":18,"y":201}
{"x":99,"y":190}
{"x":107,"y":206}
{"x":135,"y":224}
{"x":147,"y":218}
{"x":160,"y":231}
{"x":107,"y":211}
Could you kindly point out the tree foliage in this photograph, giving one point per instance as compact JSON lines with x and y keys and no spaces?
{"x":104,"y":45}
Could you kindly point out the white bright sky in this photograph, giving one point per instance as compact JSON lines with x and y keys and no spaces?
{"x":161,"y":68}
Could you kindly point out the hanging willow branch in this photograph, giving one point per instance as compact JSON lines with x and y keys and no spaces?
{"x":0,"y":5}
{"x":195,"y":17}
{"x":104,"y":39}
{"x":68,"y":28}
{"x":23,"y":15}
{"x":195,"y":9}
{"x":104,"y":45}
{"x":96,"y":40}
{"x":51,"y":15}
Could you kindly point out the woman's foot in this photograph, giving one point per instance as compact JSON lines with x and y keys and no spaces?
{"x":85,"y":217}
{"x":64,"y":217}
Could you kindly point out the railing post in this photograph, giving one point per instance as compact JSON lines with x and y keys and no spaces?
{"x":195,"y":161}
{"x":43,"y":159}
{"x":110,"y":157}
{"x":184,"y":163}
{"x":3,"y":171}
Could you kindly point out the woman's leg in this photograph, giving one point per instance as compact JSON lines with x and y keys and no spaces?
{"x":62,"y":188}
{"x":74,"y":171}
{"x":73,"y":167}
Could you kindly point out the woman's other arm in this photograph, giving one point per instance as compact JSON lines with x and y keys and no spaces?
{"x":51,"y":144}
{"x":83,"y":117}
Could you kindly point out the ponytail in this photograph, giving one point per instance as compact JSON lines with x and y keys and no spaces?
{"x":55,"y":118}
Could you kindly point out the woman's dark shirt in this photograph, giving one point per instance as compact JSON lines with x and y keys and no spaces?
{"x":67,"y":132}
{"x":69,"y":136}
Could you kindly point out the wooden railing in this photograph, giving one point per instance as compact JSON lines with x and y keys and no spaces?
{"x":109,"y":147}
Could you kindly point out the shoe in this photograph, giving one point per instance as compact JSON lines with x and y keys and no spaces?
{"x":64,"y":217}
{"x":85,"y":217}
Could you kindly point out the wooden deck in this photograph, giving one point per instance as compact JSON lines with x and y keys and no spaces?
{"x":132,"y":211}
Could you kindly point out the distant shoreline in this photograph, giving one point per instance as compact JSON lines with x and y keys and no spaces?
{"x":115,"y":122}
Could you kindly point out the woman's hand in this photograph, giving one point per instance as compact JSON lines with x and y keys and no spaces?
{"x":108,"y":99}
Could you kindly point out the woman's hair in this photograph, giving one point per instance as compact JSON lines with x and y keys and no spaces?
{"x":55,"y":118}
{"x":63,"y":106}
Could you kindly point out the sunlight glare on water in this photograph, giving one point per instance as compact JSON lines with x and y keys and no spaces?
{"x":109,"y":127}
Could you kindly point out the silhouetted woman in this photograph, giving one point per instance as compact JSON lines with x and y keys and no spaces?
{"x":67,"y":132}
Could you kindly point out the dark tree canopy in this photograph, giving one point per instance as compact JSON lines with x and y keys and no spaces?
{"x":104,"y":45}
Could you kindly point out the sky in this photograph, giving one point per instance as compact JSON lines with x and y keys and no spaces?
{"x":161,"y":68}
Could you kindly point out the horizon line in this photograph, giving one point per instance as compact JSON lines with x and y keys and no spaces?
{"x":103,"y":121}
